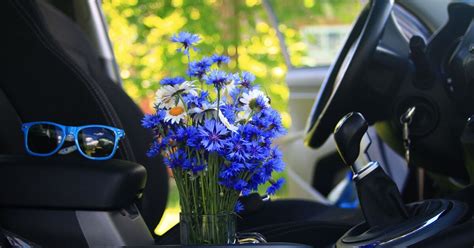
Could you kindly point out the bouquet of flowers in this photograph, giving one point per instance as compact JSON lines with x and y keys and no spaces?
{"x":214,"y":130}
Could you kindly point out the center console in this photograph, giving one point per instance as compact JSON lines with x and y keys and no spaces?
{"x":388,"y":221}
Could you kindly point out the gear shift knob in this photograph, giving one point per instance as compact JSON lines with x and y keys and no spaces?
{"x":349,"y":134}
{"x":379,"y":197}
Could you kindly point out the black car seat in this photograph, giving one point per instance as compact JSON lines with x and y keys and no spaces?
{"x":50,"y":71}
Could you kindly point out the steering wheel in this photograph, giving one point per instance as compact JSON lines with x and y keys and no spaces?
{"x":333,"y":100}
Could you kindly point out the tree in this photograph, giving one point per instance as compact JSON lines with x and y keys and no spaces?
{"x":237,"y":28}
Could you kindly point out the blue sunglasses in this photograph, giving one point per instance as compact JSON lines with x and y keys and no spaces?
{"x":96,"y":142}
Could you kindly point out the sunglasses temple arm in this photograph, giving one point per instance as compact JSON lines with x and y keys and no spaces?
{"x":67,"y":150}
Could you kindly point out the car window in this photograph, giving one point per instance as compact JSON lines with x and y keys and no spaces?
{"x":314,"y":30}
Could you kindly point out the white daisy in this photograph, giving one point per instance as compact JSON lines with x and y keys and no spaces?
{"x":248,"y":99}
{"x":175,"y":114}
{"x":166,"y":95}
{"x":186,"y":87}
{"x":199,"y":114}
{"x":209,"y":111}
{"x":227,"y":123}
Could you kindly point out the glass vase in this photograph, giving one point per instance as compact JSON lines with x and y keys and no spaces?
{"x":207,"y":229}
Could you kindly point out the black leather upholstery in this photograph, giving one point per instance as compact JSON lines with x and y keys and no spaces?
{"x":58,"y":183}
{"x":44,"y":77}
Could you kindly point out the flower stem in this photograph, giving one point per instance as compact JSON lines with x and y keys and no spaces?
{"x":189,"y":65}
{"x":218,"y":103}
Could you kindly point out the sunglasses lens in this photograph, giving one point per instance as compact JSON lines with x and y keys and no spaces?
{"x":44,"y":138}
{"x":97,"y":142}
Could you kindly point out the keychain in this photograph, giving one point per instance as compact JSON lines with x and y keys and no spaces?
{"x":406,"y":120}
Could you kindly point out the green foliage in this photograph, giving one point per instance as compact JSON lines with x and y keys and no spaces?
{"x":139,"y":30}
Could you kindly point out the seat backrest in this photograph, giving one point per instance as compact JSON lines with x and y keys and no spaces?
{"x":50,"y":71}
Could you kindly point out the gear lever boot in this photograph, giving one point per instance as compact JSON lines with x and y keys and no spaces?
{"x":379,"y":198}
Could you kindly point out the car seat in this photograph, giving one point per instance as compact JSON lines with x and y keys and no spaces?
{"x":50,"y":72}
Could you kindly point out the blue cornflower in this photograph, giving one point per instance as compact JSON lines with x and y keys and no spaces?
{"x":240,"y":184}
{"x":261,"y":120}
{"x":196,"y":100}
{"x":199,"y":68}
{"x":275,"y":186}
{"x":220,"y":59}
{"x":247,"y":80}
{"x":231,"y":171}
{"x":239,"y":207}
{"x":270,"y":121}
{"x":204,"y":95}
{"x":258,"y":178}
{"x":187,"y":40}
{"x":260,"y":103}
{"x":197,"y":168}
{"x":235,"y":93}
{"x":155,"y":149}
{"x":218,"y":78}
{"x":274,"y":119}
{"x":151,"y":121}
{"x":188,"y":135}
{"x":256,"y":151}
{"x":229,"y":112}
{"x":250,"y":132}
{"x":187,"y":164}
{"x":275,"y":161}
{"x":171,"y":137}
{"x":213,"y":135}
{"x":236,"y":148}
{"x":172,"y":80}
{"x":246,"y":192}
{"x":251,"y":165}
{"x":176,"y":159}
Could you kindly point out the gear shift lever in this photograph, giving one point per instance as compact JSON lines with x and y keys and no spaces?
{"x":379,"y":197}
{"x":351,"y":139}
{"x":386,"y":220}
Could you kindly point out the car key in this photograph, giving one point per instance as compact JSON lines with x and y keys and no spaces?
{"x":406,"y":120}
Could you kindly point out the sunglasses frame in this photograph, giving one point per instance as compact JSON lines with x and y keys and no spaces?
{"x":71,"y":130}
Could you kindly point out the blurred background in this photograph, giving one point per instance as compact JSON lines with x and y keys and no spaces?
{"x":268,"y":38}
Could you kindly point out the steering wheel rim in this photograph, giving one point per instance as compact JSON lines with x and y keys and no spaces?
{"x":356,"y":52}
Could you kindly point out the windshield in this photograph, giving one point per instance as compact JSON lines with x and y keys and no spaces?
{"x":313,"y":30}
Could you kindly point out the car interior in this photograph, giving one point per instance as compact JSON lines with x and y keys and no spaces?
{"x":412,"y":94}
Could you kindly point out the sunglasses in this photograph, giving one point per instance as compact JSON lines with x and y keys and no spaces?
{"x":96,"y":142}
